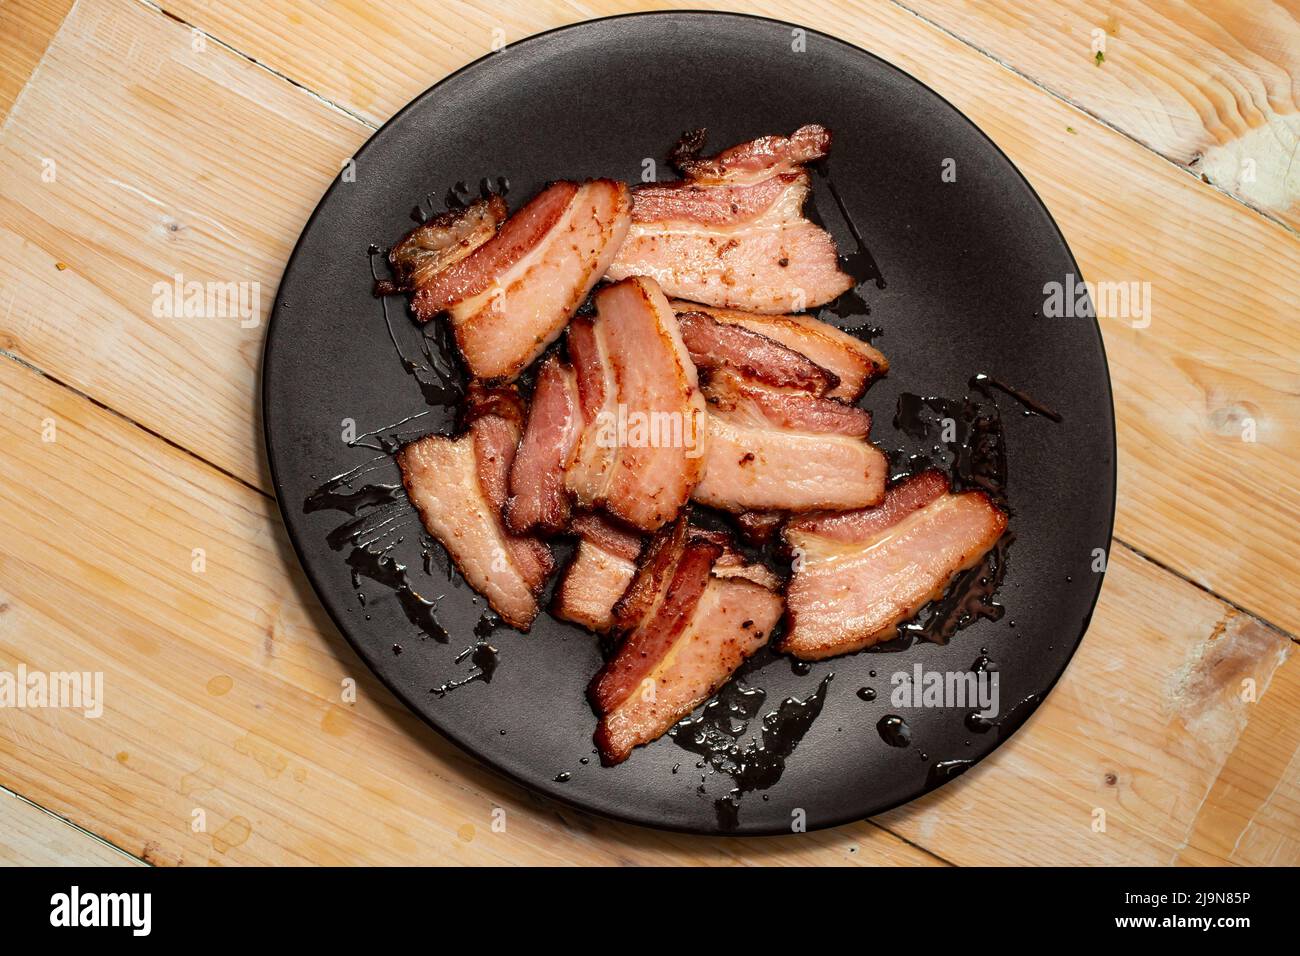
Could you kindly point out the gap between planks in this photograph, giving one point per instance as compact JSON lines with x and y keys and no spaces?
{"x":1037,"y":84}
{"x":339,"y":107}
{"x":1097,"y":118}
{"x":78,"y":828}
{"x":128,"y":419}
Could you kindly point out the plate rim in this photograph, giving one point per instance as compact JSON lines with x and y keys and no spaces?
{"x":835,"y":820}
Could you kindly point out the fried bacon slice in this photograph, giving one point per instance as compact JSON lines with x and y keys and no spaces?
{"x":732,"y":564}
{"x":458,"y":485}
{"x":509,"y":294}
{"x":859,"y":574}
{"x":689,"y":618}
{"x":538,"y":496}
{"x":753,"y":161}
{"x":715,"y":345}
{"x":642,"y":445}
{"x":774,"y":450}
{"x":441,"y":242}
{"x":602,"y":567}
{"x":732,"y":232}
{"x":853,"y":362}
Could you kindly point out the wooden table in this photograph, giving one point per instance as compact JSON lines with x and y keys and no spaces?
{"x":140,"y":141}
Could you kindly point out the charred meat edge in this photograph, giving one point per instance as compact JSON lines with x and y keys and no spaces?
{"x":673,"y":574}
{"x":604,"y":551}
{"x":865,"y":527}
{"x":484,"y":405}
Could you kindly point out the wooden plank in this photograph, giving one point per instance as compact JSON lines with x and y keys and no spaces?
{"x":222,"y":695}
{"x":174,"y":160}
{"x":31,"y":837}
{"x":1254,"y":806}
{"x":439,"y":37}
{"x":1209,"y":84}
{"x":221,"y":689}
{"x":1217,"y":363}
{"x":27,"y":27}
{"x":1145,"y":753}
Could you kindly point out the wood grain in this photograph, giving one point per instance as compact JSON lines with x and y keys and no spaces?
{"x":258,"y":152}
{"x":222,"y":695}
{"x":27,"y":27}
{"x":1254,"y":805}
{"x":1209,"y":84}
{"x":176,"y":160}
{"x":31,"y":837}
{"x":1148,"y":734}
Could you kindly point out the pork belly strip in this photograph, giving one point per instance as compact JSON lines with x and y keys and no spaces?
{"x":732,"y":233}
{"x":720,"y":206}
{"x":442,"y":241}
{"x":687,"y":630}
{"x":855,"y":363}
{"x":860,"y":574}
{"x":753,"y":160}
{"x":605,"y":563}
{"x":733,"y":564}
{"x":512,"y":293}
{"x":538,"y":496}
{"x":458,"y":485}
{"x":641,"y":450}
{"x":733,"y":619}
{"x":602,"y":567}
{"x":716,"y":345}
{"x":770,"y":450}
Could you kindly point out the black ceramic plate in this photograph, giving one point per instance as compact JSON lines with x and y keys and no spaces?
{"x":964,"y":264}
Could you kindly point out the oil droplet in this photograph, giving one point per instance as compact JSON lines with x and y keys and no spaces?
{"x":717,"y":735}
{"x":220,"y":685}
{"x":233,"y":834}
{"x":335,"y":721}
{"x":484,"y":658}
{"x":866,"y":693}
{"x":945,"y":770}
{"x":894,"y":730}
